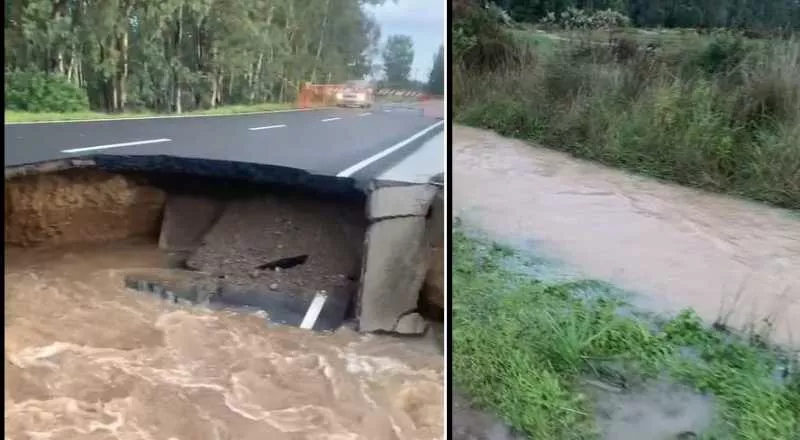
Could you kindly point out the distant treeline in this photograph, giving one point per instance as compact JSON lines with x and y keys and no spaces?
{"x":754,"y":15}
{"x":178,"y":55}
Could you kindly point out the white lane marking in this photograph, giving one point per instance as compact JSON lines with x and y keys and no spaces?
{"x":353,"y":169}
{"x":330,"y":119}
{"x":313,"y":311}
{"x":138,"y":118}
{"x":267,"y":127}
{"x":123,"y":144}
{"x":365,"y":114}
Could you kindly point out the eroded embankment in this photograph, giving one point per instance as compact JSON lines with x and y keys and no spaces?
{"x":245,"y":244}
{"x":80,"y":205}
{"x":85,"y":355}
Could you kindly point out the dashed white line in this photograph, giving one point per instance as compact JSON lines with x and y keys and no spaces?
{"x":330,"y":119}
{"x":123,"y":144}
{"x":313,"y":311}
{"x":365,"y":114}
{"x":355,"y":168}
{"x":267,"y":127}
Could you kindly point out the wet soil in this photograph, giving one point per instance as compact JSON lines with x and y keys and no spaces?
{"x":77,"y":205}
{"x":255,"y":231}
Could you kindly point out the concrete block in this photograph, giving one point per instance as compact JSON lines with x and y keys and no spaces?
{"x":394,"y":268}
{"x":187,"y":218}
{"x":411,"y":324}
{"x":398,"y":201}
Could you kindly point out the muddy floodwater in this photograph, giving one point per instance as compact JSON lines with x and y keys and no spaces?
{"x":86,"y":358}
{"x":727,"y":258}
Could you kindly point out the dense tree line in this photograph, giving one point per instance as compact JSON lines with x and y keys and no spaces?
{"x":740,"y":14}
{"x":177,"y":55}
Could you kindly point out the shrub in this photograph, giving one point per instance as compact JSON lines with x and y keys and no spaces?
{"x":735,"y":131}
{"x":39,"y":92}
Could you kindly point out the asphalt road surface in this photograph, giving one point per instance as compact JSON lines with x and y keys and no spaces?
{"x":331,"y":141}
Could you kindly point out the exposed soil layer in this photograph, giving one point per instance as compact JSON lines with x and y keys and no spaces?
{"x":80,"y":206}
{"x":254,"y":232}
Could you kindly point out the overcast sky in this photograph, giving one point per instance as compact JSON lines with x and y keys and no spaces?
{"x":422,"y":20}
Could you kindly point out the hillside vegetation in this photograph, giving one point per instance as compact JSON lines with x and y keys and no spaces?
{"x":716,"y":109}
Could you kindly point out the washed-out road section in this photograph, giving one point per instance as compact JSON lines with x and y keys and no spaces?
{"x":386,"y":156}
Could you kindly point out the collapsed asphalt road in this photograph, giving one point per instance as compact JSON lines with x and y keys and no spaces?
{"x":226,"y":218}
{"x":329,"y":142}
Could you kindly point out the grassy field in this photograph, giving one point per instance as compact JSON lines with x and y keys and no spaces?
{"x":717,"y":112}
{"x":16,"y":116}
{"x":523,"y":347}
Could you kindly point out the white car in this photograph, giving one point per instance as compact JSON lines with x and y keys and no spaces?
{"x":358,"y":93}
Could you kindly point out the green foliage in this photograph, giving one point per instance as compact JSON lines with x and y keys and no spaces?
{"x":435,"y":84}
{"x":574,"y":18}
{"x":723,"y":53}
{"x":719,"y":113}
{"x":39,"y":92}
{"x":755,"y":15}
{"x":398,"y":56}
{"x":480,"y":41}
{"x":521,"y":348}
{"x":173,"y":55}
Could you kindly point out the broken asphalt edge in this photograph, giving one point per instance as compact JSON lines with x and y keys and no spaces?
{"x":397,"y":240}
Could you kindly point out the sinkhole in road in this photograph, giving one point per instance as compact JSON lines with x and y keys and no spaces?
{"x":305,"y":259}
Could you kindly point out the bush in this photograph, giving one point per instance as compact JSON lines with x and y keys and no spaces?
{"x":480,"y":41}
{"x":38,"y":92}
{"x":728,"y":123}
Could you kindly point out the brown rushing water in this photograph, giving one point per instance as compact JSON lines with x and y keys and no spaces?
{"x":678,"y":246}
{"x":88,"y":359}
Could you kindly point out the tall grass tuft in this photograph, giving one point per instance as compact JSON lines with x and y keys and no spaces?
{"x":721,"y":114}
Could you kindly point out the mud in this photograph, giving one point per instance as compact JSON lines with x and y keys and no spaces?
{"x":255,"y":231}
{"x":88,"y":358}
{"x":80,"y":206}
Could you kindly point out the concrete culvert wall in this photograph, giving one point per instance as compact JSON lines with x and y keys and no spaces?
{"x":253,"y":246}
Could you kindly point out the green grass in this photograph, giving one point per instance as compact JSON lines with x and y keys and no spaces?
{"x":719,"y":113}
{"x":17,"y":116}
{"x":522,"y":346}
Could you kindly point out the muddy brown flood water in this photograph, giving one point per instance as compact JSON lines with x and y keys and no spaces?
{"x":86,"y":358}
{"x":676,"y":246}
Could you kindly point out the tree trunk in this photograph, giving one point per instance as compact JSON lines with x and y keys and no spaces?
{"x":122,"y":82}
{"x":214,"y":91}
{"x":321,"y":40}
{"x":178,"y":39}
{"x":255,"y":77}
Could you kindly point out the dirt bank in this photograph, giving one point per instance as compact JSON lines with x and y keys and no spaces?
{"x":80,"y":206}
{"x":259,"y":239}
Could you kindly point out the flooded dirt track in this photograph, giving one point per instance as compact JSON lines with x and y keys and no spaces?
{"x":86,"y":358}
{"x":725,"y":257}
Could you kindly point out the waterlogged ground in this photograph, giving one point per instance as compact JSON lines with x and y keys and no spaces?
{"x":677,"y":246}
{"x":86,"y":358}
{"x":728,"y":259}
